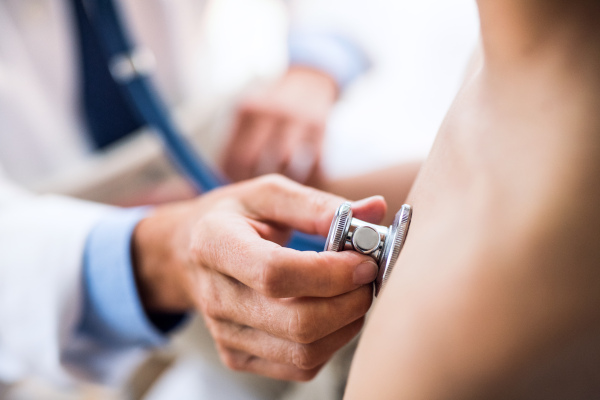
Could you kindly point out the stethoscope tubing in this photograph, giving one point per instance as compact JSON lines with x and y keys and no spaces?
{"x":146,"y":101}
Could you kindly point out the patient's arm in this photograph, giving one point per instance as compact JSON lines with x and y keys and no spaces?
{"x":393,"y":183}
{"x":497,"y":291}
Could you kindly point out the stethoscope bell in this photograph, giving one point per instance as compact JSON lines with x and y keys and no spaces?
{"x":381,"y":243}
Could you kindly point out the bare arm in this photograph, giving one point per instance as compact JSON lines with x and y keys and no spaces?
{"x":495,"y":294}
{"x":393,"y":183}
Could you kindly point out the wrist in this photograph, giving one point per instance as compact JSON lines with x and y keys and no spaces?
{"x":155,"y":265}
{"x":318,"y":82}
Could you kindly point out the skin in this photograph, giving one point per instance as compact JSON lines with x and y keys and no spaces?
{"x":377,"y":183}
{"x":495,"y":294}
{"x":271,"y":310}
{"x":281,"y":128}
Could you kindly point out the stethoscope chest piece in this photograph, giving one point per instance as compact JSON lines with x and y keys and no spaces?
{"x":381,"y":243}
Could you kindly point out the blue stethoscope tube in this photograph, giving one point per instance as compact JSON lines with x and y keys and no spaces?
{"x":144,"y":99}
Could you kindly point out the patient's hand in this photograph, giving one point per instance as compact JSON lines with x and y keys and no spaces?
{"x":281,"y":129}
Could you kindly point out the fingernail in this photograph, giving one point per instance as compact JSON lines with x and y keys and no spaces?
{"x":365,"y":273}
{"x":362,"y":202}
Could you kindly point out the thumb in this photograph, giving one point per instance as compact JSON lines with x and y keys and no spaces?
{"x":278,"y":200}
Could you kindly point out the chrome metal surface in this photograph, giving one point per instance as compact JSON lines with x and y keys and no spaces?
{"x":338,"y":231}
{"x":366,"y":240}
{"x":393,"y":246}
{"x":381,"y":243}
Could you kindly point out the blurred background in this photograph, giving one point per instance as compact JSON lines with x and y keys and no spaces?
{"x":418,"y":52}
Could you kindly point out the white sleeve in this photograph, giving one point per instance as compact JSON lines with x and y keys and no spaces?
{"x":42,"y":240}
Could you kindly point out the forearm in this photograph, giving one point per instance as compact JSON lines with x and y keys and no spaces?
{"x":393,"y":183}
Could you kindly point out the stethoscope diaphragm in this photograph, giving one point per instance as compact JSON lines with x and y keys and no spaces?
{"x":381,"y":243}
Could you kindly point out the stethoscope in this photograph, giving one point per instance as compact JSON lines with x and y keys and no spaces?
{"x":131,"y":68}
{"x":381,"y":243}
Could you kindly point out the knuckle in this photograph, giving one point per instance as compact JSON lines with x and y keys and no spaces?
{"x":304,"y":357}
{"x":205,"y":238}
{"x":211,"y":305}
{"x":321,"y":201}
{"x":272,"y":182}
{"x":213,"y":326}
{"x":307,"y":375}
{"x":233,"y":360}
{"x":209,"y":309}
{"x":228,"y":358}
{"x":301,"y":329}
{"x":197,"y":248}
{"x":218,"y":332}
{"x":270,"y":281}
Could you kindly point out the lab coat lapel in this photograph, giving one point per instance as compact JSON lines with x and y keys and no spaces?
{"x":38,"y":120}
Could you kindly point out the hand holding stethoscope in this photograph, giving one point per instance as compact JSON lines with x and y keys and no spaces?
{"x":130,"y":68}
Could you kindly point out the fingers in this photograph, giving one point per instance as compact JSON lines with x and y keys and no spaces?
{"x":233,"y":245}
{"x":306,"y":320}
{"x":244,"y":340}
{"x":242,"y":361}
{"x":371,"y":209}
{"x":250,"y":136}
{"x":276,"y":153}
{"x":293,"y":150}
{"x":268,"y":139}
{"x":275,"y":271}
{"x":305,"y":153}
{"x":280,"y":338}
{"x":291,"y":273}
{"x":297,"y":106}
{"x":278,"y":200}
{"x":300,"y":320}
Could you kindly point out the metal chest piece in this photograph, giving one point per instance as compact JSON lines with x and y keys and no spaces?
{"x":381,"y":243}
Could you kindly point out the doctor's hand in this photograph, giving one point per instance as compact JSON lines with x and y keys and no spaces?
{"x":271,"y":310}
{"x":281,"y":129}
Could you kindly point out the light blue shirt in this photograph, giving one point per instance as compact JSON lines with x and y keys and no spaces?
{"x":332,"y":53}
{"x":113,"y":314}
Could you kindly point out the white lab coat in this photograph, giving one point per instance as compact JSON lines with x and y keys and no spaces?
{"x":41,"y":242}
{"x":42,"y":147}
{"x":42,"y":237}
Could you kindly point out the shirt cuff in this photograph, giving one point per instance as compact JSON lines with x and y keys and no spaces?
{"x":113,"y":314}
{"x":336,"y":55}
